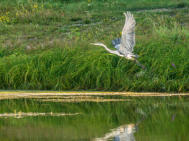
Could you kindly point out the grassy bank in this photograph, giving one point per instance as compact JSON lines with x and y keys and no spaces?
{"x":45,"y":46}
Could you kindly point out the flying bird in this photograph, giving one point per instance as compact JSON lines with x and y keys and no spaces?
{"x":125,"y":45}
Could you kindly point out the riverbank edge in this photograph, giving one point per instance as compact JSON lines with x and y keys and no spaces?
{"x":35,"y":94}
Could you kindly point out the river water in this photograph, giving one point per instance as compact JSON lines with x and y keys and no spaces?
{"x":94,"y":118}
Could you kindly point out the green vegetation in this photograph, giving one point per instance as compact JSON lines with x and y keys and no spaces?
{"x":45,"y":45}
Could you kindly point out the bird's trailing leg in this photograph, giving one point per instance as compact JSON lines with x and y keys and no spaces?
{"x":139,"y":64}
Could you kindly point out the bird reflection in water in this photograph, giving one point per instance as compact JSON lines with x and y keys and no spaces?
{"x":122,"y":133}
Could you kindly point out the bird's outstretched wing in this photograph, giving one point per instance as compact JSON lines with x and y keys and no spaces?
{"x":128,"y":34}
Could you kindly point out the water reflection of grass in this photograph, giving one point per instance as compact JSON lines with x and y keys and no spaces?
{"x":169,"y":123}
{"x":94,"y":119}
{"x":154,"y":117}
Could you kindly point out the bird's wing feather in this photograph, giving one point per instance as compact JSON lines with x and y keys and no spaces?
{"x":116,"y":41}
{"x":128,"y":34}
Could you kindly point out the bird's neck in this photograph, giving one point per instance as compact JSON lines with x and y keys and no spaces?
{"x":111,"y":51}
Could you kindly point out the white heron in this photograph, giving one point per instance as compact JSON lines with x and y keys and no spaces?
{"x":125,"y":45}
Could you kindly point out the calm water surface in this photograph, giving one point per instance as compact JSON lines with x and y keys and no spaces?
{"x":95,"y":118}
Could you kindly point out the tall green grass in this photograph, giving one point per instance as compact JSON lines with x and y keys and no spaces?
{"x":84,"y":67}
{"x":44,"y":48}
